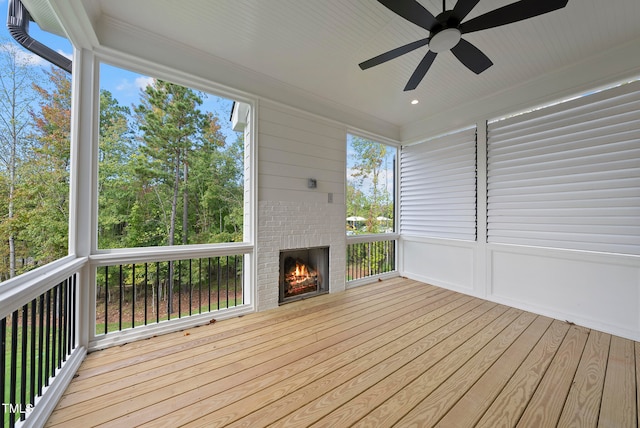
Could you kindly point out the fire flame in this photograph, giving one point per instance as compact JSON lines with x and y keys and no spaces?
{"x":299,"y":277}
{"x":301,"y":270}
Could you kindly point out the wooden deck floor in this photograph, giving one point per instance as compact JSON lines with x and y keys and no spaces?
{"x":397,"y":352}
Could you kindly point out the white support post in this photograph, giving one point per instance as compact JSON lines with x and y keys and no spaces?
{"x":83,"y":198}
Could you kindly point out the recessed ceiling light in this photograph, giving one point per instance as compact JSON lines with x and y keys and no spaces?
{"x":414,"y":102}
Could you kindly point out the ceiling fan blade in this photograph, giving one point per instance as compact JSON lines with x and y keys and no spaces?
{"x":471,"y":56}
{"x":412,"y":11}
{"x":514,"y":12}
{"x":394,"y":53}
{"x":463,"y":7}
{"x":420,"y":71}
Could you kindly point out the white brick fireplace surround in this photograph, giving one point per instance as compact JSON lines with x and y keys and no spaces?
{"x":292,"y":225}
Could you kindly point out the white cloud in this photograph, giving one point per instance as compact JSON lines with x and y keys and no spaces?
{"x":124,"y":85}
{"x":143,"y":81}
{"x":140,"y":82}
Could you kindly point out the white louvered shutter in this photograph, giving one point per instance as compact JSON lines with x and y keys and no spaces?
{"x":568,"y":175}
{"x":438,"y":187}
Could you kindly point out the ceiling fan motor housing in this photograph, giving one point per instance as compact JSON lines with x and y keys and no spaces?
{"x":445,"y":40}
{"x":445,"y":34}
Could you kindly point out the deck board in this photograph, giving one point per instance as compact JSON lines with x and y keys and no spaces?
{"x":474,"y":403}
{"x":581,"y":408}
{"x":545,"y":406}
{"x":394,"y":352}
{"x":619,"y":394}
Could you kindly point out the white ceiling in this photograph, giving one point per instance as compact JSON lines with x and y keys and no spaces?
{"x":310,"y":49}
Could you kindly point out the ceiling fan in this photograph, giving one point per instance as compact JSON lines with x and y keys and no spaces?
{"x":446,"y":30}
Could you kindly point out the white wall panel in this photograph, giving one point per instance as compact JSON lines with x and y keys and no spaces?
{"x":445,"y":263}
{"x":595,"y":290}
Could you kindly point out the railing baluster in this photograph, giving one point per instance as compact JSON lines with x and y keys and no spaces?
{"x":133,"y":295}
{"x":106,"y":298}
{"x":32,"y":368}
{"x":61,"y":316}
{"x":146,"y":285}
{"x":13,"y":376}
{"x":200,"y":286}
{"x":227,"y":281}
{"x":169,"y":293}
{"x":3,"y":361}
{"x":41,"y":342}
{"x":157,"y":292}
{"x":360,"y":259}
{"x":235,"y":280}
{"x":67,"y":314}
{"x":120,"y":298}
{"x":72,"y":316}
{"x":47,"y":338}
{"x":54,"y":335}
{"x":190,"y":288}
{"x":54,"y":332}
{"x":179,"y":288}
{"x":23,"y":362}
{"x":209,"y":280}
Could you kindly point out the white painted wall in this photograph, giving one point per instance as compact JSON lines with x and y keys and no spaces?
{"x":292,"y":147}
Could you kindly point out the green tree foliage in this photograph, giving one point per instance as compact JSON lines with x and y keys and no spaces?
{"x":16,"y":98}
{"x":169,"y":120}
{"x":217,"y":199}
{"x":191,"y":178}
{"x":367,"y":193}
{"x":116,"y":178}
{"x":44,"y":195}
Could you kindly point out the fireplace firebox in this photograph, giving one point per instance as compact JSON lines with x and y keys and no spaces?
{"x":304,"y":272}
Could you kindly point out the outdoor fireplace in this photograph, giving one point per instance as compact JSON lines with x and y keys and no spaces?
{"x":304,"y":272}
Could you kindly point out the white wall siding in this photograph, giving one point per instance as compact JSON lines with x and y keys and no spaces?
{"x":295,"y":146}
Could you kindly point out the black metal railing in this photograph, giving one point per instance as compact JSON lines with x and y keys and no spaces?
{"x":133,"y":295}
{"x":36,"y":340}
{"x":373,"y":257}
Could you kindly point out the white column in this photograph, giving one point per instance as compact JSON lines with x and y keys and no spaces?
{"x":83,"y":197}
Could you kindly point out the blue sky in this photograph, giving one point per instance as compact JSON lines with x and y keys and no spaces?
{"x":124,"y":85}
